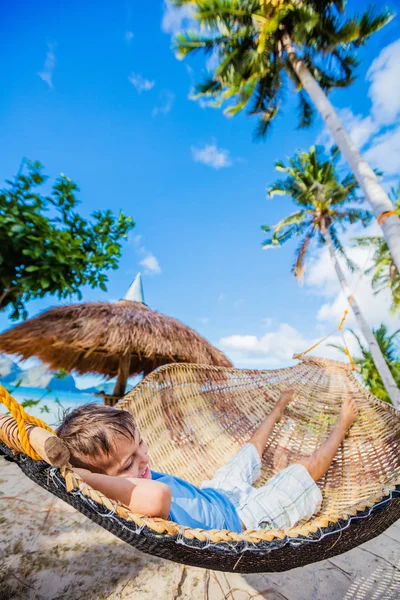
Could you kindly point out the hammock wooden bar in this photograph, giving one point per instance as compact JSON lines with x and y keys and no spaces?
{"x":195,"y":417}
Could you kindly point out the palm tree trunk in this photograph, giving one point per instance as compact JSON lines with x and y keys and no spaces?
{"x":378,"y":358}
{"x":374,"y":192}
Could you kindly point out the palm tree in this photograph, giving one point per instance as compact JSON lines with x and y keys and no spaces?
{"x":262,"y":45}
{"x":369,"y":371}
{"x":326,"y":205}
{"x":385,"y":274}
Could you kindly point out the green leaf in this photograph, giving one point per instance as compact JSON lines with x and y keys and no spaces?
{"x":276,"y":192}
{"x":31,"y":268}
{"x":47,"y":248}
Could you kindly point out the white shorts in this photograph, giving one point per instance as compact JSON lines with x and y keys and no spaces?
{"x":287,"y":498}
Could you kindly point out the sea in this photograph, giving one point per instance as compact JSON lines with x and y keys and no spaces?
{"x":49,"y":406}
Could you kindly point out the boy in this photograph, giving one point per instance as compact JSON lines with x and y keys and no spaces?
{"x":109,"y":454}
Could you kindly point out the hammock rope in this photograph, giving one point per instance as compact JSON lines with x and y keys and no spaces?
{"x":339,"y":328}
{"x":21,"y":417}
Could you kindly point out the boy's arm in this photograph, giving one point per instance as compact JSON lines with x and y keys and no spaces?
{"x":262,"y":433}
{"x":142,"y":496}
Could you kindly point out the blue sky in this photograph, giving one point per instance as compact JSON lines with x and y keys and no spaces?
{"x":98,"y":94}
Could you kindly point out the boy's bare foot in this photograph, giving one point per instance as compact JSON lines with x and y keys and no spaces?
{"x":348,"y":412}
{"x":285,"y":397}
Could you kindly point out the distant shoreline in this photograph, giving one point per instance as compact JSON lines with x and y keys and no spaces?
{"x":49,"y":408}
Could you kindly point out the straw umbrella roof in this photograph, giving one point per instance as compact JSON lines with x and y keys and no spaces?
{"x":93,"y":337}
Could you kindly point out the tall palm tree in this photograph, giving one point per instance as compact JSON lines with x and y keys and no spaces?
{"x":262,"y":45}
{"x":369,"y":371}
{"x":326,"y":205}
{"x":385,"y":274}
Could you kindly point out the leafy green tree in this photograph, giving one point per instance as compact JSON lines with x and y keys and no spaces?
{"x":262,"y":48}
{"x":369,"y":371}
{"x":385,"y":274}
{"x":46,"y":247}
{"x":326,"y":206}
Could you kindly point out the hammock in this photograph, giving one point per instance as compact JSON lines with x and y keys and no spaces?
{"x":196,"y":417}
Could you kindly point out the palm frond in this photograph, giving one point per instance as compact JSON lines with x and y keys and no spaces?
{"x":306,"y":111}
{"x":285,"y":229}
{"x":193,"y":41}
{"x":299,"y":267}
{"x":295,"y":218}
{"x":354,"y":215}
{"x":369,"y":23}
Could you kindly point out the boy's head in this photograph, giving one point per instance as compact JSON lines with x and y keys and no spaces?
{"x":105,"y":440}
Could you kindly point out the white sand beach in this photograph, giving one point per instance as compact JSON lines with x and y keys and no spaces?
{"x":50,"y":551}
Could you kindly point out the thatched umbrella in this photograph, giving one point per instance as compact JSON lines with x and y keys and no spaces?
{"x":112,"y":339}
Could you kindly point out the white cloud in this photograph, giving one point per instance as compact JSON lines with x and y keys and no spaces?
{"x":385,"y":152}
{"x":140,"y":83}
{"x":384,"y":91}
{"x":148,"y":260}
{"x":383,"y":144}
{"x":321,"y":280}
{"x":204,"y":320}
{"x":166,"y":98}
{"x":359,"y":128}
{"x":46,"y":74}
{"x":210,"y":155}
{"x":151,"y":264}
{"x":275,"y":349}
{"x":175,"y":19}
{"x":128,"y":37}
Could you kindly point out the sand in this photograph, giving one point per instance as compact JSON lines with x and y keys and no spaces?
{"x":50,"y":551}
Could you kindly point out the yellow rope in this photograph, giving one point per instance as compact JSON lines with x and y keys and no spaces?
{"x":19,"y":414}
{"x":346,"y":349}
{"x":346,"y":312}
{"x":339,"y":328}
{"x":315,"y":345}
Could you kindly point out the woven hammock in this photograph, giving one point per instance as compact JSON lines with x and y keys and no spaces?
{"x":194,"y":418}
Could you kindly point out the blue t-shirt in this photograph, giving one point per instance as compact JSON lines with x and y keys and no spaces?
{"x":196,"y":508}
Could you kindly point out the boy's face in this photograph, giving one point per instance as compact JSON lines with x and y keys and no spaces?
{"x":129,"y":459}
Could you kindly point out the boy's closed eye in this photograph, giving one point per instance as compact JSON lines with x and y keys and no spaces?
{"x":129,"y":465}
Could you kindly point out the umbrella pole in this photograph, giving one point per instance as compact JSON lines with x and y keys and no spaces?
{"x":122,"y":377}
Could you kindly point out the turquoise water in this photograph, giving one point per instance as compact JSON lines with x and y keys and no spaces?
{"x":55,"y":402}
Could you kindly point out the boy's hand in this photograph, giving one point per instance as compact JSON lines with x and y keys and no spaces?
{"x":287,"y":396}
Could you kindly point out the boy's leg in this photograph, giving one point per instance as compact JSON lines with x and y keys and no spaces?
{"x":261,"y":435}
{"x":319,"y":462}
